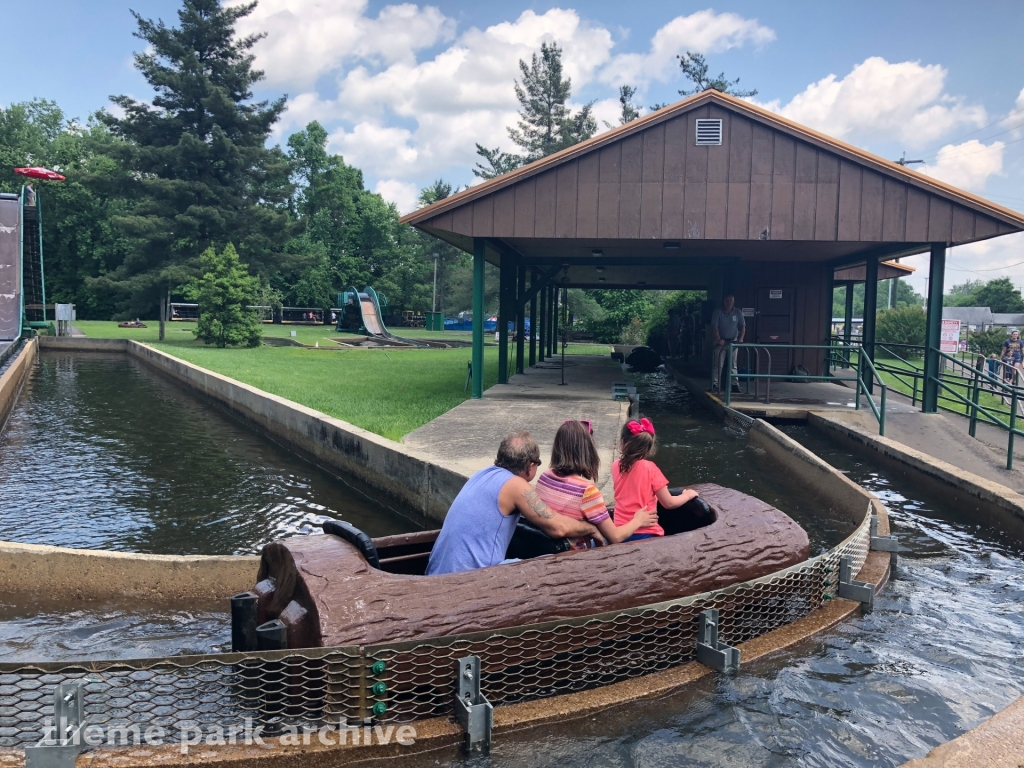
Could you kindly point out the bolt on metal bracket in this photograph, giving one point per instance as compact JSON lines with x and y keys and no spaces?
{"x":861,"y":591}
{"x":62,"y":743}
{"x":472,"y":710}
{"x":711,"y":652}
{"x":888,"y":544}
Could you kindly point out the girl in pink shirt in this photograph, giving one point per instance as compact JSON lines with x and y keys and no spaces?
{"x":639,"y":484}
{"x":568,"y":487}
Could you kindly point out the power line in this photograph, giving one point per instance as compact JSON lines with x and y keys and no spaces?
{"x":978,"y":130}
{"x":985,"y":149}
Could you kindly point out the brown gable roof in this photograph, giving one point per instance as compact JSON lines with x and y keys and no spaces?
{"x":893,"y":170}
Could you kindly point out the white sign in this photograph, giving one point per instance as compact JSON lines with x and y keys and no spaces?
{"x":949,"y":337}
{"x":774,"y":294}
{"x":749,"y":311}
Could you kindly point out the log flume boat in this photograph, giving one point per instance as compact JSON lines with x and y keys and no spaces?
{"x":344,"y":588}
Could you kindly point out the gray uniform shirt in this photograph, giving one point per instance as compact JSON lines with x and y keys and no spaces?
{"x":728,"y":323}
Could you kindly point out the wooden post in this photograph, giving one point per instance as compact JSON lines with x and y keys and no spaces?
{"x":478,"y":318}
{"x":870,"y":309}
{"x":533,"y":319}
{"x":554,"y":320}
{"x":933,"y":328}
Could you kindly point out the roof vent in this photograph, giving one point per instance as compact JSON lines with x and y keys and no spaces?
{"x":709,"y":133}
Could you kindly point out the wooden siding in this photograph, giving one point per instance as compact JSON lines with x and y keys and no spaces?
{"x":760,"y":184}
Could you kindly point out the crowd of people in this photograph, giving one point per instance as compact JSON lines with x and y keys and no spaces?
{"x":566,"y":502}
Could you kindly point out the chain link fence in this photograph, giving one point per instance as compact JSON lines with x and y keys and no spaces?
{"x":310,"y":688}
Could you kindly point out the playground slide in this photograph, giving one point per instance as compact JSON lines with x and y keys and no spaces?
{"x":10,"y":268}
{"x":369,"y":308}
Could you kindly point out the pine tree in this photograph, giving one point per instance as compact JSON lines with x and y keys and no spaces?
{"x":695,"y":68}
{"x":197,"y":161}
{"x":546,"y":124}
{"x":225,"y":291}
{"x":630,"y":111}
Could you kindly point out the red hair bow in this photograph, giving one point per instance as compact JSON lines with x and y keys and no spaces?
{"x":644,"y":425}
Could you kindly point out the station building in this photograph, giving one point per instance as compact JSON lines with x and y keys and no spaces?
{"x":711,"y":193}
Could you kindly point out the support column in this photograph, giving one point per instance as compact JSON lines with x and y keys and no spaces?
{"x":533,"y":319}
{"x":554,"y":320}
{"x":848,"y":320}
{"x":870,"y":309}
{"x":520,"y":319}
{"x":542,"y":325}
{"x":478,"y":318}
{"x":936,"y":284}
{"x":505,"y":277}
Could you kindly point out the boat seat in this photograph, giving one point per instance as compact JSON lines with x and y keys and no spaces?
{"x":692,"y":515}
{"x":356,"y":538}
{"x":528,"y":542}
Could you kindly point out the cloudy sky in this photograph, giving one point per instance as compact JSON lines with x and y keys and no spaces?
{"x":406,"y":90}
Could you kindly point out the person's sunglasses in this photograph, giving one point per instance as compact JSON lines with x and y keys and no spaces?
{"x":585,"y":422}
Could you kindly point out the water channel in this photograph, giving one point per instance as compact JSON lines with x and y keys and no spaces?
{"x":101,"y":452}
{"x":131,"y":462}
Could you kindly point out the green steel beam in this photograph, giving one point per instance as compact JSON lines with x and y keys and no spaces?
{"x":479,"y":246}
{"x":933,"y":328}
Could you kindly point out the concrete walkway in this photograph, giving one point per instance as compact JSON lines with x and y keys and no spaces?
{"x":466,"y":438}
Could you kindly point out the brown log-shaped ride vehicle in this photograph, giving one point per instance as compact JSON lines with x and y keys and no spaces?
{"x":343,"y":588}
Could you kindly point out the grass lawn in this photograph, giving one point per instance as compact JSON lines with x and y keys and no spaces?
{"x":947,"y":401}
{"x":389,"y":392}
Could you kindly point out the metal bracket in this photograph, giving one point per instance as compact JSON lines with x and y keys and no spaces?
{"x":888,"y":544}
{"x":472,"y":710}
{"x":861,"y":591}
{"x":62,"y":743}
{"x":712,"y":653}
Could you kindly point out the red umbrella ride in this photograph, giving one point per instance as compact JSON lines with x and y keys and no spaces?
{"x":38,"y":172}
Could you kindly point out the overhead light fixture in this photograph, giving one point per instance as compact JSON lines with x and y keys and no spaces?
{"x":597,"y":252}
{"x":599,"y":269}
{"x":673,"y":244}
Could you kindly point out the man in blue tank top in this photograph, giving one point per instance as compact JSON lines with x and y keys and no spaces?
{"x":483,"y":517}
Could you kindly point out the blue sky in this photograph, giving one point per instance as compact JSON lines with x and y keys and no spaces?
{"x":406,"y":90}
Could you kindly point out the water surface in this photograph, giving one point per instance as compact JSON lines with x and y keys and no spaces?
{"x":101,"y":452}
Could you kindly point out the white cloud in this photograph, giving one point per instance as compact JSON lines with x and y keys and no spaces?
{"x":385,"y":149}
{"x":967,"y":165}
{"x":309,"y":38}
{"x":457,"y":97}
{"x":881,"y":100}
{"x":404,"y":194}
{"x":700,"y":32}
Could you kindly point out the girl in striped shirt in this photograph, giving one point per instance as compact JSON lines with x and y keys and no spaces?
{"x":567,"y":487}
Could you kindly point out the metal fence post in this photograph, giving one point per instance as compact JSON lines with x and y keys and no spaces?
{"x":1013,"y":429}
{"x":881,"y":415}
{"x":975,"y":394}
{"x":728,"y":374}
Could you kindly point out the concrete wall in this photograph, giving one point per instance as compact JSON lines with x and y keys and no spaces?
{"x":983,"y":499}
{"x":846,"y":499}
{"x":13,"y":379}
{"x":95,"y":575}
{"x":411,"y":478}
{"x":408,"y":477}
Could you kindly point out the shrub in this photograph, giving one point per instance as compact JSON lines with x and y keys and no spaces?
{"x":224,"y":292}
{"x":988,"y":342}
{"x":905,"y":325}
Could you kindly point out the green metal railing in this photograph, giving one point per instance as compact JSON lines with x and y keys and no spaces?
{"x":961,"y":383}
{"x":864,"y":373}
